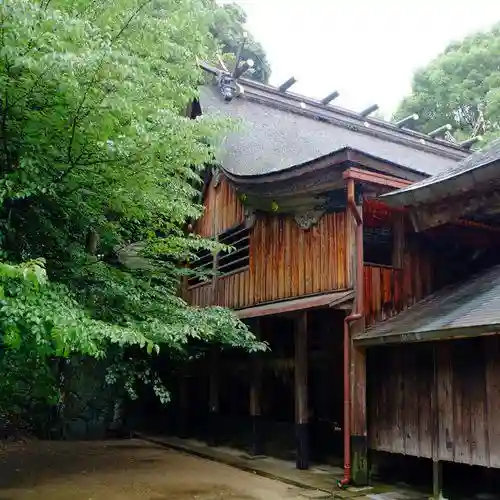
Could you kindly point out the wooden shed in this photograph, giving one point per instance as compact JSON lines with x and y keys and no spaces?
{"x":434,"y":369}
{"x":434,"y":385}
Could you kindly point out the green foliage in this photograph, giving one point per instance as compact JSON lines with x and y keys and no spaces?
{"x":96,"y":155}
{"x":456,"y":85}
{"x":228,"y":29}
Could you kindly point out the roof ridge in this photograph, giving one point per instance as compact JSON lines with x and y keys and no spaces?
{"x":364,"y":126}
{"x":318,"y":110}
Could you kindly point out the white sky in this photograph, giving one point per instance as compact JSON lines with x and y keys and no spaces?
{"x":366,"y":49}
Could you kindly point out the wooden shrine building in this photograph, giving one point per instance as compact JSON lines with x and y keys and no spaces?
{"x":441,"y":400}
{"x":326,"y":266}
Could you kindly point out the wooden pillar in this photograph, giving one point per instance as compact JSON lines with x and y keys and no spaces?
{"x":437,"y":480}
{"x":437,"y":466}
{"x":359,"y":439}
{"x":213,"y":397}
{"x":183,"y":423}
{"x":359,"y":435}
{"x":301,"y":397}
{"x":256,"y":447}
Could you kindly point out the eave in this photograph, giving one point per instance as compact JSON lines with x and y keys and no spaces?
{"x":340,"y":159}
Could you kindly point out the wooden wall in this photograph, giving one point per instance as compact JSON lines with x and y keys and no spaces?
{"x":285,"y":262}
{"x":223,"y":209}
{"x":437,"y":400}
{"x":390,"y":290}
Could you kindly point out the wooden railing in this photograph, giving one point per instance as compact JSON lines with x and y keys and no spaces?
{"x":389,"y":290}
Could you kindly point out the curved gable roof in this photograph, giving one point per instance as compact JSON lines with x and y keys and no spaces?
{"x":275,"y":135}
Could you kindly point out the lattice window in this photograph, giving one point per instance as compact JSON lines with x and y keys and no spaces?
{"x":238,"y":258}
{"x":202,"y":265}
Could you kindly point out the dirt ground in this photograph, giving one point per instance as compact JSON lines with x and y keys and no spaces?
{"x":124,"y":470}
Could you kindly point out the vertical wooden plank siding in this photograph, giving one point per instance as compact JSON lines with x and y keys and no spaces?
{"x":285,"y":262}
{"x":424,"y":355}
{"x":445,"y":401}
{"x":492,"y":354}
{"x":220,"y":199}
{"x":406,"y":397}
{"x":390,"y":290}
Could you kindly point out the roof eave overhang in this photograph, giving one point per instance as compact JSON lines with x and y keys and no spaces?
{"x":461,"y":183}
{"x":342,"y":158}
{"x":398,"y":337}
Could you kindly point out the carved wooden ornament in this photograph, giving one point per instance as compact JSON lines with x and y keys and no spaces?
{"x":308,"y":219}
{"x":250,"y":217}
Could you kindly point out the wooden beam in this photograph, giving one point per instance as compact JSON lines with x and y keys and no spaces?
{"x":384,"y":166}
{"x":375,"y":178}
{"x":339,"y":159}
{"x":452,"y":209}
{"x":332,"y":299}
{"x":301,"y":406}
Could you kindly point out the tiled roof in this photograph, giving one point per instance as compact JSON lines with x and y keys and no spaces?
{"x":469,"y":308}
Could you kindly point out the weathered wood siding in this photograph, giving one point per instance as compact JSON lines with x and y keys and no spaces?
{"x":285,"y":262}
{"x":437,"y":400}
{"x":390,"y":290}
{"x":223,"y":209}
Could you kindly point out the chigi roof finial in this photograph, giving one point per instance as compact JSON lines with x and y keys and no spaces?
{"x":330,"y":97}
{"x":286,"y":85}
{"x":407,"y":119}
{"x":228,"y":82}
{"x":440,"y":131}
{"x":369,"y":110}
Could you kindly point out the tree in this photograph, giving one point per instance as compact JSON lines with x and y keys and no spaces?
{"x":96,"y":155}
{"x":458,"y":86}
{"x":228,"y":30}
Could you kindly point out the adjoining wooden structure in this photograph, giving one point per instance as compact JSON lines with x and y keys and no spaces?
{"x":441,"y":400}
{"x":319,"y":255}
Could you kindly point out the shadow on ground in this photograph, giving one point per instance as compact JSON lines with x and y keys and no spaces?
{"x":124,"y":470}
{"x":30,"y":464}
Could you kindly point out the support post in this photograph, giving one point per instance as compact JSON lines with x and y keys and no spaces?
{"x":359,"y":435}
{"x":256,"y":447}
{"x":183,"y":423}
{"x":356,"y":439}
{"x":213,"y":397}
{"x":437,"y":465}
{"x":301,"y":396}
{"x":437,"y":480}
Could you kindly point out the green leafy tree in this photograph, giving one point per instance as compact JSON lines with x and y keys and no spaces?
{"x":96,"y":158}
{"x":228,"y":30}
{"x":458,"y":86}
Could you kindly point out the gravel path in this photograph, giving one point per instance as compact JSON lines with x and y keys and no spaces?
{"x":124,"y":470}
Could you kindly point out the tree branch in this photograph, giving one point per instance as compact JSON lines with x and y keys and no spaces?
{"x":94,"y":78}
{"x":130,"y":19}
